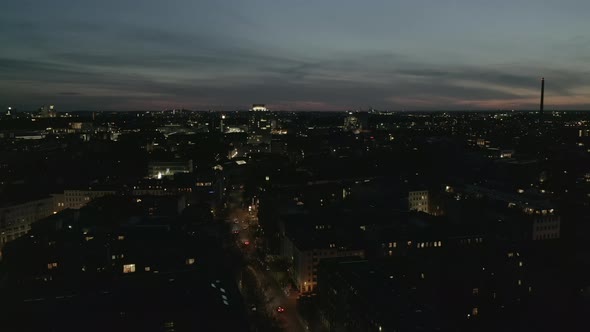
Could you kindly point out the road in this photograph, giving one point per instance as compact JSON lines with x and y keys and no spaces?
{"x":243,"y":225}
{"x":290,"y":318}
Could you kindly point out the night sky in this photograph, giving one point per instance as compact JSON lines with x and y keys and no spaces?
{"x":294,"y":55}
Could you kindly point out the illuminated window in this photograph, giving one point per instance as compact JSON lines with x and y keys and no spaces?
{"x":440,"y":243}
{"x":519,"y":263}
{"x":52,"y":266}
{"x":474,"y":311}
{"x":88,"y":238}
{"x":390,"y":253}
{"x":519,"y":282}
{"x":395,"y":244}
{"x":147,"y":269}
{"x":190,"y":261}
{"x":121,"y":237}
{"x":128,"y":268}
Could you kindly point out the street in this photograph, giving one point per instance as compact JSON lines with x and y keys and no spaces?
{"x":244,"y":225}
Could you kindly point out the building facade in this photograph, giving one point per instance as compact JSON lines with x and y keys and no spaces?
{"x":16,"y":219}
{"x":75,"y":199}
{"x":160,"y":169}
{"x":306,"y":259}
{"x":418,"y":201}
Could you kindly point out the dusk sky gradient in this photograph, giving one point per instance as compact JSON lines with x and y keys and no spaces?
{"x":294,"y":55}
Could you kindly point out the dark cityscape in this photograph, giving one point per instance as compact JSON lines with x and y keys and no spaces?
{"x":258,"y":196}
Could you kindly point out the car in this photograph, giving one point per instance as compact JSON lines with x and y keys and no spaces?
{"x":280,"y":309}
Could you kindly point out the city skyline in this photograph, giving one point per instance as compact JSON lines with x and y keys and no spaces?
{"x":329,"y":55}
{"x":294,"y":166}
{"x":276,"y":221}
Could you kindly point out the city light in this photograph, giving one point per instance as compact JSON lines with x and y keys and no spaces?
{"x":194,"y":208}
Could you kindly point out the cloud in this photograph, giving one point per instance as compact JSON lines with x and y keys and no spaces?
{"x":146,"y":66}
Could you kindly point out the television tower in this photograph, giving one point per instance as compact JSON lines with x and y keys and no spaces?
{"x":542,"y":97}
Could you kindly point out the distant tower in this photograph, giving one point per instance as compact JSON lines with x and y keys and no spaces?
{"x":259,"y":128}
{"x":542,"y":97}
